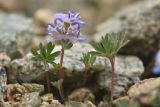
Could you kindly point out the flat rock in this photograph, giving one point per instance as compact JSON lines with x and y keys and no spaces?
{"x":18,"y":91}
{"x":141,"y":23}
{"x":145,"y":91}
{"x":16,"y":34}
{"x":4,"y":59}
{"x":81,"y":95}
{"x":74,"y":104}
{"x":31,"y":100}
{"x":25,"y":70}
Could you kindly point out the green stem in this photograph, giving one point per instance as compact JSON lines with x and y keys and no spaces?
{"x":112,"y":61}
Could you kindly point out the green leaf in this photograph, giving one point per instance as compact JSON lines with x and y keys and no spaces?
{"x":42,"y":51}
{"x":106,"y":99}
{"x":57,"y":84}
{"x":109,"y":45}
{"x":95,"y":53}
{"x":34,"y":51}
{"x":37,"y":58}
{"x":55,"y":66}
{"x":50,"y":48}
{"x":55,"y":54}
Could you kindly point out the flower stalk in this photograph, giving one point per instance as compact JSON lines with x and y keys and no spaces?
{"x":48,"y":82}
{"x":61,"y":91}
{"x":112,"y":61}
{"x":61,"y":64}
{"x":108,"y":47}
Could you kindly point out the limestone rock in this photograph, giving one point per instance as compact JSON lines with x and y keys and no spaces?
{"x":16,"y":34}
{"x":128,"y":71}
{"x":31,"y":100}
{"x":32,"y":87}
{"x":145,"y":91}
{"x":121,"y":99}
{"x":3,"y":82}
{"x":81,"y":95}
{"x":89,"y":104}
{"x":52,"y":103}
{"x":18,"y":91}
{"x":47,"y":97}
{"x":4,"y":59}
{"x":74,"y":104}
{"x":141,"y":23}
{"x":25,"y":70}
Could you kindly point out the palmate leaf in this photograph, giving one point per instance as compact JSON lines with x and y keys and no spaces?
{"x":50,"y":48}
{"x":88,"y":59}
{"x":109,"y":45}
{"x":45,"y":54}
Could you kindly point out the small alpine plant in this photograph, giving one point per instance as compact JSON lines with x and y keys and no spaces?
{"x":64,"y":31}
{"x":108,"y":47}
{"x":88,"y":59}
{"x":46,"y":55}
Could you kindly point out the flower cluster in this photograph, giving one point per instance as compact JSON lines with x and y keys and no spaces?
{"x":66,"y":27}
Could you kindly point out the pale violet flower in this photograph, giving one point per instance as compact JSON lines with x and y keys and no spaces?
{"x":66,"y":27}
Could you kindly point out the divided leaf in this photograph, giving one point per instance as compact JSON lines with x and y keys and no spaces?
{"x":45,"y":54}
{"x":88,"y":59}
{"x":109,"y":45}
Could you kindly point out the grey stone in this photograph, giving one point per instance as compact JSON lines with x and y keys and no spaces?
{"x":4,"y":59}
{"x":3,"y":82}
{"x":81,"y":95}
{"x":25,"y":70}
{"x":16,"y":34}
{"x":74,"y":104}
{"x":31,"y":100}
{"x":127,"y":71}
{"x":31,"y":87}
{"x":141,"y":23}
{"x":18,"y":91}
{"x":89,"y":104}
{"x":145,"y":91}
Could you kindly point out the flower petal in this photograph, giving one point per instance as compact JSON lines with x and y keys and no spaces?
{"x":51,"y":28}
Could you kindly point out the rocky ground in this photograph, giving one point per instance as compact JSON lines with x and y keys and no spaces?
{"x":25,"y":77}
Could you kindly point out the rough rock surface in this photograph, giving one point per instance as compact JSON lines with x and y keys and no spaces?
{"x":25,"y":70}
{"x":4,"y":59}
{"x":141,"y":23}
{"x":3,"y":82}
{"x":16,"y":34}
{"x":81,"y":95}
{"x":18,"y":91}
{"x":145,"y":91}
{"x":31,"y":100}
{"x":128,"y":68}
{"x":74,"y":104}
{"x":128,"y":71}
